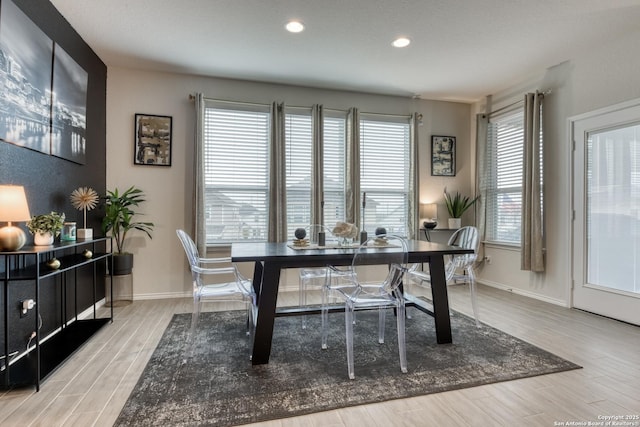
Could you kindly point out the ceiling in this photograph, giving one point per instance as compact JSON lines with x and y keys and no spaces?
{"x":461,"y":50}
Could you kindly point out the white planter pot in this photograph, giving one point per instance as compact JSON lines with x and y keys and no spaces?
{"x":43,"y":239}
{"x":454,"y":223}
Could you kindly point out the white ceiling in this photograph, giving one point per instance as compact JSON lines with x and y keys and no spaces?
{"x":461,"y":50}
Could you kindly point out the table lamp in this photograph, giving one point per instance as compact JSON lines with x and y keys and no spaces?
{"x":13,"y":208}
{"x":429,"y":214}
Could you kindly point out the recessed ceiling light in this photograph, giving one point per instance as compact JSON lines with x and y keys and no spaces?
{"x":294,"y":26}
{"x":401,"y":42}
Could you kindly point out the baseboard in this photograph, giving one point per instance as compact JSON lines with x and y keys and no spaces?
{"x":525,"y":293}
{"x":163,"y":295}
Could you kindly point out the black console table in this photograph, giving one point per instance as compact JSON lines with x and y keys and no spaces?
{"x":30,"y":267}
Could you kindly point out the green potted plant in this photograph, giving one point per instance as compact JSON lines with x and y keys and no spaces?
{"x":456,"y":206}
{"x":119,"y":220}
{"x":45,"y":228}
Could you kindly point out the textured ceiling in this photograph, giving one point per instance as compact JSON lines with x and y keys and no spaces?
{"x":461,"y":50}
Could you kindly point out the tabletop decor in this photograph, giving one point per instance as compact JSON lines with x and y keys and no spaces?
{"x":300,"y":235}
{"x":46,"y":227}
{"x":84,"y":199}
{"x":346,"y":232}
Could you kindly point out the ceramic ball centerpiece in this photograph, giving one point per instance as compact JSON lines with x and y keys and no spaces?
{"x":381,"y":239}
{"x":300,"y":234}
{"x":45,"y":228}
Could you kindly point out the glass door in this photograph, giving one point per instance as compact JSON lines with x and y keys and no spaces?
{"x":606,"y":232}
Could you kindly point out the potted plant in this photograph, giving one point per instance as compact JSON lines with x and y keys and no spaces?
{"x":119,"y":221}
{"x":45,"y":228}
{"x":456,"y":206}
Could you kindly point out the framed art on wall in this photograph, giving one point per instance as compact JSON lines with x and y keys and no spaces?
{"x":443,"y":155}
{"x":152,"y":140}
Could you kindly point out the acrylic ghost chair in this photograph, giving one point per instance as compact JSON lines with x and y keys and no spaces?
{"x":211,"y":283}
{"x":314,"y":277}
{"x":467,"y":238}
{"x":373,"y":282}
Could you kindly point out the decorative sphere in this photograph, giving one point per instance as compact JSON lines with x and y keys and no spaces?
{"x":380,"y":231}
{"x":54,"y":264}
{"x":300,"y":233}
{"x":87,"y":253}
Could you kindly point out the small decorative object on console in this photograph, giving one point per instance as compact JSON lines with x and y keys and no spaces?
{"x":84,"y":199}
{"x":300,"y":240}
{"x":53,"y":264}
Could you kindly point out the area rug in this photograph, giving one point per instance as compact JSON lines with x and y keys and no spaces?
{"x":218,"y":386}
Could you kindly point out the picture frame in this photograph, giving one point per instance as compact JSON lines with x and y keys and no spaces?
{"x":152,"y":140}
{"x":443,"y":155}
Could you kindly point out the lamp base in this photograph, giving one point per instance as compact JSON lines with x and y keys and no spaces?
{"x":12,"y":238}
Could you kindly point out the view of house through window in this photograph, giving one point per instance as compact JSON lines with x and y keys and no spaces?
{"x":384,"y":173}
{"x":237,"y":171}
{"x":236,"y":158}
{"x":504,"y":197}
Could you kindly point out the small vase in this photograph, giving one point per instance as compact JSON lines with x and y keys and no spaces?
{"x":454,"y":223}
{"x":43,"y":239}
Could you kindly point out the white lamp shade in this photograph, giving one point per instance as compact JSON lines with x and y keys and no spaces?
{"x":13,"y":204}
{"x":428,"y":211}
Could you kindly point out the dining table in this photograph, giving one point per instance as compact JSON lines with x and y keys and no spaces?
{"x":270,"y":258}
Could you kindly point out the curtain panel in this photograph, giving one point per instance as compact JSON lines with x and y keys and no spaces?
{"x":277,"y":176}
{"x":532,"y":237}
{"x":352,"y":179}
{"x":482,"y":181}
{"x":317,"y":165}
{"x":200,"y":232}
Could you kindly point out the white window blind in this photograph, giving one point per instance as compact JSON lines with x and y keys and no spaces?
{"x":334,"y":168}
{"x":384,"y":172}
{"x":236,"y":163}
{"x":505,"y":145}
{"x":299,"y":143}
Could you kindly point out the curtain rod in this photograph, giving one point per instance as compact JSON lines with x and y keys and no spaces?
{"x":192,"y":98}
{"x":520,"y":101}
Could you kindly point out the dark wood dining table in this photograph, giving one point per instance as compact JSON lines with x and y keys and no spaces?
{"x":270,"y":258}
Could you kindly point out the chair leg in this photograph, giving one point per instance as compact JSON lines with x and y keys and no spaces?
{"x":302,"y":299}
{"x":324,"y":317}
{"x":402,"y":347}
{"x":382,"y":312}
{"x":348,"y":322}
{"x":474,"y":299}
{"x":189,"y":350}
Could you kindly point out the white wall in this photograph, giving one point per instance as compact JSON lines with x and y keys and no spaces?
{"x":603,"y":76}
{"x":160,"y":266}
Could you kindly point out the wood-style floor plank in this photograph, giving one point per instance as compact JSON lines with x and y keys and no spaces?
{"x":94,"y":384}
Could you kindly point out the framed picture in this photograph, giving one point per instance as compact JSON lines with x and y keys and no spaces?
{"x":152,"y":136}
{"x":26,"y":54}
{"x":443,"y":155}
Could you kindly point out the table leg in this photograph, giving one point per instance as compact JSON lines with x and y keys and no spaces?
{"x":440,"y":299}
{"x":266,"y":313}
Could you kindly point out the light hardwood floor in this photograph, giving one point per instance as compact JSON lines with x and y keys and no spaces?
{"x":91,"y":387}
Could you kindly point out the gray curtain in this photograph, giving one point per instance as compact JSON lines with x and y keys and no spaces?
{"x":352,"y":179}
{"x":277,"y":176}
{"x":413,"y":205}
{"x":482,"y":181}
{"x":317,"y":183}
{"x":200,"y":232}
{"x":532,"y":243}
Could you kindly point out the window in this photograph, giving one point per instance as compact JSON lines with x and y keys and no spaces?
{"x":505,"y":148}
{"x":384,"y":172}
{"x":299,"y":144}
{"x":236,"y":162}
{"x":334,"y":168}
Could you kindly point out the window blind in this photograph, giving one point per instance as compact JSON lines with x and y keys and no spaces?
{"x":334,"y":133}
{"x":299,"y":142}
{"x":384,"y":172}
{"x":505,"y":144}
{"x":236,"y":171}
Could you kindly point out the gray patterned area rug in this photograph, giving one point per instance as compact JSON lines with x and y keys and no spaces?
{"x":219,"y":386}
